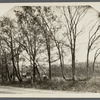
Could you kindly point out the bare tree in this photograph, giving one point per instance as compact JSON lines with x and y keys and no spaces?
{"x":91,"y":42}
{"x":73,"y":15}
{"x":44,"y":12}
{"x":49,"y":34}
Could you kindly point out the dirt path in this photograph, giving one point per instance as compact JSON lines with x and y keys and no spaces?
{"x":8,"y":91}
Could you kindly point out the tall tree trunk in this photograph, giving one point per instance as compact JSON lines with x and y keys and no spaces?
{"x":13,"y":74}
{"x":62,"y":68}
{"x":37,"y":70}
{"x":7,"y":68}
{"x":34,"y":71}
{"x":31,"y":64}
{"x":87,"y":64}
{"x":94,"y":64}
{"x":47,"y":38}
{"x":34,"y":57}
{"x":18,"y":70}
{"x":49,"y":57}
{"x":61,"y":62}
{"x":13,"y":62}
{"x":73,"y":65}
{"x":49,"y":60}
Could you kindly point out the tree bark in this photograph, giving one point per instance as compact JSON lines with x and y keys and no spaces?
{"x":34,"y":57}
{"x":33,"y":71}
{"x":7,"y":68}
{"x":49,"y":56}
{"x":73,"y":65}
{"x":49,"y":63}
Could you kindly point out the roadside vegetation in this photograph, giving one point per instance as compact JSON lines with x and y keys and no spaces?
{"x":58,"y":83}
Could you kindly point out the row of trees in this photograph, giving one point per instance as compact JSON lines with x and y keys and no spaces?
{"x":35,"y":30}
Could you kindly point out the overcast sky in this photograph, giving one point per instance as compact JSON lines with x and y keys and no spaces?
{"x":82,"y":40}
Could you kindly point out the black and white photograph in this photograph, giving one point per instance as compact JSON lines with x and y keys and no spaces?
{"x":50,"y":50}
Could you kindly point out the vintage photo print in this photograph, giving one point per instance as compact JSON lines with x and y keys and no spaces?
{"x":50,"y":50}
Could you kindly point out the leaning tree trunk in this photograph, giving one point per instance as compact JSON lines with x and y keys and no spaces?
{"x":18,"y":70}
{"x":37,"y":70}
{"x":87,"y":64}
{"x":13,"y":62}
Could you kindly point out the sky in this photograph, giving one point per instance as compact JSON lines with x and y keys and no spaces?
{"x":81,"y":40}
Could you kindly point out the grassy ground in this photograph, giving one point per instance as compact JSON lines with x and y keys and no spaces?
{"x":92,"y":85}
{"x":58,"y":83}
